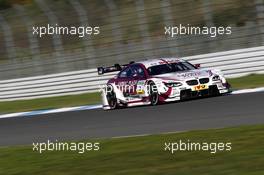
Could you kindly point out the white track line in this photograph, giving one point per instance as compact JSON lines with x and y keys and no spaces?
{"x":50,"y":111}
{"x":90,"y":107}
{"x":244,"y":91}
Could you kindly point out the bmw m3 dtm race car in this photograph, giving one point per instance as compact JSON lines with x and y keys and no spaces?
{"x":155,"y":81}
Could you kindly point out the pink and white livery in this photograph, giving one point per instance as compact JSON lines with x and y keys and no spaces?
{"x":155,"y":81}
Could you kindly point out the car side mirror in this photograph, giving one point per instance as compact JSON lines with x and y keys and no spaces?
{"x":197,"y":66}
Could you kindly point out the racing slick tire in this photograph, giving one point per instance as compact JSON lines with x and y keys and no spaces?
{"x":153,"y":94}
{"x":111,"y":98}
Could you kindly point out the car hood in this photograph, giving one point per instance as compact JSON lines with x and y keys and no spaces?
{"x":185,"y":75}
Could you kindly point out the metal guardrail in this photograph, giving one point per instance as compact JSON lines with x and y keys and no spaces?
{"x":233,"y":63}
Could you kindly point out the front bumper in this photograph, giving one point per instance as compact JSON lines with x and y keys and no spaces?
{"x":188,"y":93}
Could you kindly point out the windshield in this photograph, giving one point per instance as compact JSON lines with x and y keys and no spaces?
{"x":168,"y":68}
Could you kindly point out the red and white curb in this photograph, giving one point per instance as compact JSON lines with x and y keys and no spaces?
{"x":90,"y":107}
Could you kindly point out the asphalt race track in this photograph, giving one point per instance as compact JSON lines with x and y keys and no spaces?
{"x":224,"y":111}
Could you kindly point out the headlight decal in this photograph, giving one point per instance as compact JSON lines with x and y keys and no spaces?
{"x":172,"y":84}
{"x":216,"y":78}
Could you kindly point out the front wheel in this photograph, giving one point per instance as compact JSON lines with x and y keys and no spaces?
{"x":153,"y":94}
{"x":111,"y":98}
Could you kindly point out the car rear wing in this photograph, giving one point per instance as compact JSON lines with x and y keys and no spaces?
{"x":115,"y":68}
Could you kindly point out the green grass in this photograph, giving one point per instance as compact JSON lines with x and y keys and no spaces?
{"x":146,"y":155}
{"x":48,"y":103}
{"x":250,"y":81}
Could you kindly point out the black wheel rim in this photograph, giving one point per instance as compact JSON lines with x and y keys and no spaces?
{"x":111,"y":100}
{"x":153,"y":95}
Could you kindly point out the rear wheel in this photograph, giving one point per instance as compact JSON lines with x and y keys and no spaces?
{"x":111,"y":98}
{"x":153,"y":94}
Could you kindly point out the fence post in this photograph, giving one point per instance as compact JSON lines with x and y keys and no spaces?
{"x":168,"y":21}
{"x":87,"y":40}
{"x":116,"y":31}
{"x":260,"y":18}
{"x":208,"y":18}
{"x":57,"y":42}
{"x":9,"y":41}
{"x":33,"y":41}
{"x":143,"y":27}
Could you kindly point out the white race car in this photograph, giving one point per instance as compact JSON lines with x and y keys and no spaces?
{"x":155,"y":81}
